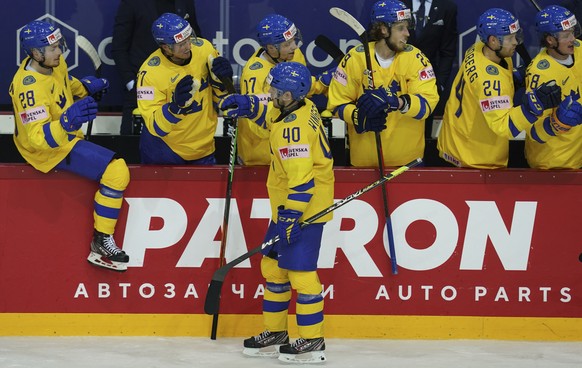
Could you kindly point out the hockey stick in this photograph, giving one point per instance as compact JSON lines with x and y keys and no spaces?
{"x":88,"y":48}
{"x":212,"y":302}
{"x":353,"y":23}
{"x":232,"y":160}
{"x":329,"y":47}
{"x":535,"y":3}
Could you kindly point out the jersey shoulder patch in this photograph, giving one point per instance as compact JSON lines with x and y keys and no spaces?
{"x":289,"y":118}
{"x":408,"y":48}
{"x":256,"y":65}
{"x":492,"y":69}
{"x":197,"y":42}
{"x":360,"y":48}
{"x":543,"y":64}
{"x":28,"y":80}
{"x":155,"y":61}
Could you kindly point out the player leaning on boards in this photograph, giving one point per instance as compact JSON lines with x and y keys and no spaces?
{"x":479,"y":115}
{"x":280,"y":41}
{"x":300,"y":184}
{"x":48,"y":135}
{"x":177,"y":87}
{"x":405,"y":93}
{"x":557,"y":145}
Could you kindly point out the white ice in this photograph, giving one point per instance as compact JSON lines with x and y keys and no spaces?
{"x":154,"y":352}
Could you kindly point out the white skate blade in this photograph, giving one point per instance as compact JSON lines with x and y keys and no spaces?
{"x":305,"y":358}
{"x":101,"y":261}
{"x":269,"y":351}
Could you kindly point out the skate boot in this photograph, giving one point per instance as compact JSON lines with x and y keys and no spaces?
{"x":105,"y":253}
{"x":265,"y":344}
{"x":303,"y":351}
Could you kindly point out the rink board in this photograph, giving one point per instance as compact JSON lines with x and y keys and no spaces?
{"x":481,"y":254}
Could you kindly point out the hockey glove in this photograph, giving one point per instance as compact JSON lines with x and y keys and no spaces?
{"x":236,"y":105}
{"x":326,"y":77}
{"x":288,"y":226}
{"x":366,"y":123}
{"x":96,"y":87}
{"x":519,"y":76}
{"x":182,"y":97}
{"x":567,"y":115}
{"x":221,"y":68}
{"x":546,"y":96}
{"x":79,"y":113}
{"x":376,"y":101}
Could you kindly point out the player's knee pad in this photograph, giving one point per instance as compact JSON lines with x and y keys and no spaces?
{"x":116,"y":176}
{"x":272,"y":272}
{"x":305,"y":282}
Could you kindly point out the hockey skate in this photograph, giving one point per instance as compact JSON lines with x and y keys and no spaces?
{"x":303,"y":351}
{"x":265,"y":344}
{"x":106,"y":254}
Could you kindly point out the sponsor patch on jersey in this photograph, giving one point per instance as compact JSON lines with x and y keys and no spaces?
{"x":408,"y":48}
{"x":543,"y":64}
{"x":495,"y":103}
{"x":341,"y":76}
{"x":29,"y":79}
{"x":197,"y":42}
{"x":289,"y":118}
{"x":295,"y":151}
{"x":426,"y":74}
{"x":145,"y":93}
{"x":155,"y":61}
{"x":256,"y":66}
{"x":32,"y":115}
{"x":360,"y":48}
{"x":492,"y":69}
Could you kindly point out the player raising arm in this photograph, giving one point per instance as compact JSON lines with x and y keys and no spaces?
{"x":280,"y":41}
{"x":479,"y":115}
{"x":177,"y":87}
{"x":556,"y":145}
{"x":300,"y":184}
{"x":48,"y":135}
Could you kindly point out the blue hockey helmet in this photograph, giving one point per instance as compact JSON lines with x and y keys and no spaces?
{"x":554,"y":19}
{"x":291,"y":77}
{"x":275,"y":29}
{"x":390,"y":12}
{"x":498,"y":22}
{"x":170,"y":28}
{"x":38,"y":34}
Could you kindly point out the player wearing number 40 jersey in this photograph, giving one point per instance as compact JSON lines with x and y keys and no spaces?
{"x":479,"y":115}
{"x":300,"y":184}
{"x":557,"y":145}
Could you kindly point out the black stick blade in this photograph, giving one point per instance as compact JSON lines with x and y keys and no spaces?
{"x":329,"y":47}
{"x":212,"y":302}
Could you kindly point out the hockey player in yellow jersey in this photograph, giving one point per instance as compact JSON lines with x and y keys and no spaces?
{"x":177,"y":88}
{"x":557,"y":145}
{"x":48,"y":136}
{"x":479,"y":115}
{"x":404,"y":97}
{"x":280,"y":41}
{"x":300,"y":184}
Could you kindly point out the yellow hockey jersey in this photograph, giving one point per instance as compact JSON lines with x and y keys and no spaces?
{"x":410,"y":73}
{"x":253,"y":141}
{"x":563,"y":151}
{"x":39,"y":101}
{"x":479,"y":116}
{"x":190,"y":136}
{"x":301,"y":172}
